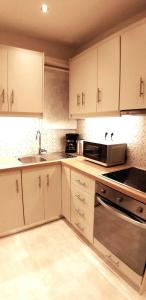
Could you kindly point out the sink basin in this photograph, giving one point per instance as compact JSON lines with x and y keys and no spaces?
{"x":31,"y":159}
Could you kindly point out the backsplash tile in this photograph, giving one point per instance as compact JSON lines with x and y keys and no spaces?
{"x":129,"y":129}
{"x":18,"y":136}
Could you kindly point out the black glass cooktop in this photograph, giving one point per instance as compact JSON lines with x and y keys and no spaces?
{"x":133,"y":177}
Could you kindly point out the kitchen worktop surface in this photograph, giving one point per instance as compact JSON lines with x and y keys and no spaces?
{"x":90,"y":169}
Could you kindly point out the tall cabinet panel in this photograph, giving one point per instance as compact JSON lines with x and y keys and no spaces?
{"x":133,"y":68}
{"x":83,"y":82}
{"x":108,"y":75}
{"x":3,"y":80}
{"x":25,"y":80}
{"x":11,"y":209}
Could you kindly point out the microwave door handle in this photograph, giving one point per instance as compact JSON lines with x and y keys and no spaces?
{"x":120,"y":215}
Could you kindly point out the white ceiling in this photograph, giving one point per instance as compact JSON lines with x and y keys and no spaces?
{"x":71,"y":22}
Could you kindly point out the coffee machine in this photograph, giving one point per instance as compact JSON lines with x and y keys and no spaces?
{"x":71,"y":142}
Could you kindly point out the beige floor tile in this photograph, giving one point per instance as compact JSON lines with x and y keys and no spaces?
{"x":52,"y":263}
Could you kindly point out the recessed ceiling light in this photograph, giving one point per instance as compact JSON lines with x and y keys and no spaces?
{"x":44,"y":8}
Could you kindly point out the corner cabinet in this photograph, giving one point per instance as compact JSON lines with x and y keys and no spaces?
{"x":21,"y":81}
{"x":11,"y":207}
{"x":133,"y":68}
{"x":83,"y":83}
{"x":108,"y":75}
{"x":41,"y":193}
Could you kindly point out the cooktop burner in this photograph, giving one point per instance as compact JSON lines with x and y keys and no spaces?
{"x":132,"y":177}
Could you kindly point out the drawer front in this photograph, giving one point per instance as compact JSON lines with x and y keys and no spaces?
{"x":82,"y":199}
{"x":86,"y":215}
{"x":85,"y":228}
{"x":83,"y":182}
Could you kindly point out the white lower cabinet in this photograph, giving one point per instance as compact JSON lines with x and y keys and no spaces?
{"x":41,"y":193}
{"x":82,"y":204}
{"x":11,"y":208}
{"x":66,"y":192}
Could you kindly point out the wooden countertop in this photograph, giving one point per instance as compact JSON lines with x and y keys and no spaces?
{"x":90,"y":169}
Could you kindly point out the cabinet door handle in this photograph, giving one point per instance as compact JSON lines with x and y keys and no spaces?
{"x":83,"y":99}
{"x":48,"y":180}
{"x":141,"y":87}
{"x":78,"y":99}
{"x":98,"y":95}
{"x":17,"y":186}
{"x":12,"y":97}
{"x":40,"y":182}
{"x":3,"y":96}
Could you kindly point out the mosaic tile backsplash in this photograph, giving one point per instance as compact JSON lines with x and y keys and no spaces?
{"x":128,"y":129}
{"x":18,"y":136}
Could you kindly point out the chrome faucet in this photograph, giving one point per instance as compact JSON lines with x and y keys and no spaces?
{"x":40,"y":150}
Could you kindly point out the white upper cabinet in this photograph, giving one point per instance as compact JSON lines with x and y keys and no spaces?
{"x":83,"y":83}
{"x":21,"y":81}
{"x":108,"y":75}
{"x":133,"y":68}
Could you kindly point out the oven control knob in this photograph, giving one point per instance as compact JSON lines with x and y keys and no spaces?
{"x":119,"y":199}
{"x":140,"y":209}
{"x":103,"y":191}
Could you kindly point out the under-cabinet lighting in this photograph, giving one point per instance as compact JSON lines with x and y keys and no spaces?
{"x":44,"y":8}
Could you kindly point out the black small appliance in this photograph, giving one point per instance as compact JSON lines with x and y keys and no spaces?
{"x":71,"y":142}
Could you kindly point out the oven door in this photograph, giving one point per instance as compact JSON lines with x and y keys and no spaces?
{"x":120,"y":233}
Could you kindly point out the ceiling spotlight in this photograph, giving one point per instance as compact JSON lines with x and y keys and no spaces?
{"x":44,"y":8}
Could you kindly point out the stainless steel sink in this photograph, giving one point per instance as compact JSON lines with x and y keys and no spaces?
{"x":31,"y":159}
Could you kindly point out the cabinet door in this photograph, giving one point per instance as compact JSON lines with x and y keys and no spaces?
{"x":133,"y":68}
{"x":32,"y":181}
{"x":108,"y":75}
{"x":52,"y":191}
{"x":11,"y":209}
{"x":66,"y":191}
{"x":25,"y":80}
{"x":83,"y":83}
{"x":3,"y":79}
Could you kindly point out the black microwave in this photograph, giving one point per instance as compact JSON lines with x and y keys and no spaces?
{"x":105,"y":154}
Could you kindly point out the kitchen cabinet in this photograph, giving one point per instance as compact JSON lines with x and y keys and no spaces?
{"x":82,"y":204}
{"x":21,"y":81}
{"x":108,"y":75}
{"x":41,"y":193}
{"x":83,"y":83}
{"x":66,"y":205}
{"x":11,"y":208}
{"x":133,"y":68}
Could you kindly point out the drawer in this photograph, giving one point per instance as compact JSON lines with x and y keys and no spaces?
{"x":82,"y":199}
{"x":82,"y":211}
{"x":86,"y":229}
{"x":83,"y":182}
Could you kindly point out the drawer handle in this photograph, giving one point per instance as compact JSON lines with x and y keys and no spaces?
{"x":79,"y":226}
{"x":81,"y":214}
{"x":80,"y":182}
{"x":116,"y":263}
{"x":81,"y":199}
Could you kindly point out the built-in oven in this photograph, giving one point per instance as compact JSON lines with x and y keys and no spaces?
{"x":120,"y":226}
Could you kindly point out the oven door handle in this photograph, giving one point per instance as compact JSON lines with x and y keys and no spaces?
{"x":120,"y":215}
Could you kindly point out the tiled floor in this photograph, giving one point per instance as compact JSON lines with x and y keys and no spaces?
{"x":51,"y":262}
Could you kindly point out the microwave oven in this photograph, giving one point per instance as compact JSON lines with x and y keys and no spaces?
{"x":105,"y":154}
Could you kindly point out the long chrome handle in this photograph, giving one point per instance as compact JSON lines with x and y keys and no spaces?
{"x":78,"y":99}
{"x":40,"y":182}
{"x":80,"y":182}
{"x":48,"y":180}
{"x":121,"y":215}
{"x":17,"y":186}
{"x":81,"y":214}
{"x":81,"y":199}
{"x":141,"y":87}
{"x":3,"y":96}
{"x":79,"y":226}
{"x":83,"y":98}
{"x":98,"y":95}
{"x":12,"y":97}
